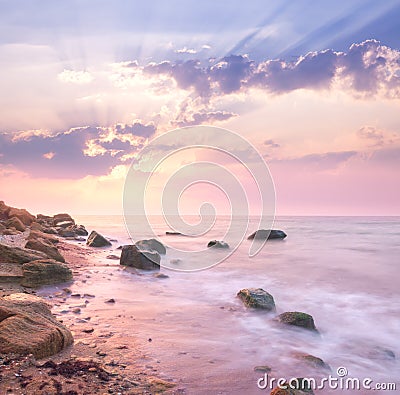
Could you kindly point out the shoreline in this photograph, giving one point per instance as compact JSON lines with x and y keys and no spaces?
{"x":93,"y":342}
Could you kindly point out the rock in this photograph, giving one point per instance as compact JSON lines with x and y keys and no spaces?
{"x":217,"y":244}
{"x":2,"y":228}
{"x":3,"y":211}
{"x":19,"y":255}
{"x":46,"y":271}
{"x":65,"y":224}
{"x":59,"y":218}
{"x":145,"y":260}
{"x":112,"y":256}
{"x":50,"y":230}
{"x":97,"y":240}
{"x":36,"y":226}
{"x":257,"y":298}
{"x":175,"y":261}
{"x":173,"y":233}
{"x":313,"y":361}
{"x":11,"y":232}
{"x":24,"y":216}
{"x":45,"y":246}
{"x":79,"y":230}
{"x":28,"y":327}
{"x":112,"y":300}
{"x":263,"y":368}
{"x":36,"y":234}
{"x":10,"y":273}
{"x":151,"y":245}
{"x":381,"y":353}
{"x":302,"y":388}
{"x":269,"y":234}
{"x":299,"y":319}
{"x":66,"y":233}
{"x":160,"y":275}
{"x":16,"y":223}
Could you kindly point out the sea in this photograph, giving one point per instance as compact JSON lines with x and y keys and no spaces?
{"x":344,"y":271}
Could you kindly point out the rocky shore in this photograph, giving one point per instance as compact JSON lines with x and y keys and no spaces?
{"x":39,"y":354}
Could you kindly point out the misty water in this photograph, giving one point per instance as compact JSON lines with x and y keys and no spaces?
{"x":344,"y":271}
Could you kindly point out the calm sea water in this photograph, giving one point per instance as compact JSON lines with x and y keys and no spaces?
{"x":344,"y":271}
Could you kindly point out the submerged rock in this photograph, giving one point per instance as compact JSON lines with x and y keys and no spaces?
{"x":28,"y":327}
{"x":257,"y":298}
{"x":46,"y":271}
{"x":132,"y":256}
{"x":151,"y":245}
{"x":313,"y":361}
{"x":299,"y":319}
{"x":217,"y":244}
{"x":269,"y":234}
{"x":97,"y":240}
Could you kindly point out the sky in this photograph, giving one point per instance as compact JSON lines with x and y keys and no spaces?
{"x":314,"y":86}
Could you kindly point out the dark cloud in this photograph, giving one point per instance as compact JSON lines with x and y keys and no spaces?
{"x":365,"y":68}
{"x":204,"y":117}
{"x":75,"y":153}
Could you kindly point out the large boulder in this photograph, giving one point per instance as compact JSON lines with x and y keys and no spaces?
{"x":297,"y":318}
{"x":60,"y":218}
{"x":16,"y":223}
{"x":257,"y":298}
{"x":269,"y":234}
{"x":28,"y":327}
{"x":132,"y":256}
{"x":46,"y":271}
{"x":46,"y":246}
{"x":151,"y":245}
{"x":218,"y":244}
{"x":97,"y":240}
{"x":10,"y":254}
{"x":23,"y":215}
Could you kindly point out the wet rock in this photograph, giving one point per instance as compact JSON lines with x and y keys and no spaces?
{"x":28,"y":327}
{"x":217,"y":244}
{"x":313,"y":361}
{"x":173,"y":233}
{"x":160,"y":275}
{"x":381,"y":353}
{"x":47,"y":271}
{"x":302,"y":388}
{"x":257,"y":298}
{"x":78,"y":230}
{"x":16,"y":223}
{"x":19,"y":255}
{"x":132,"y":256}
{"x":112,"y":300}
{"x":269,"y":234}
{"x":151,"y":245}
{"x":299,"y":319}
{"x":175,"y":261}
{"x":45,"y":246}
{"x":97,"y":240}
{"x":66,"y":233}
{"x":65,"y":224}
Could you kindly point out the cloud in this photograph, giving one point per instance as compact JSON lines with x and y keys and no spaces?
{"x":75,"y":77}
{"x":366,"y":69}
{"x":204,"y":117}
{"x":74,"y":153}
{"x":372,"y":134}
{"x":271,"y":144}
{"x":190,"y":51}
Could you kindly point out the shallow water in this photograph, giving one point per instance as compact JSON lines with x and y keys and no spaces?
{"x":344,"y":271}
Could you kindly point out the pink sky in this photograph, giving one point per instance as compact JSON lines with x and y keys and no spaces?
{"x":326,"y":121}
